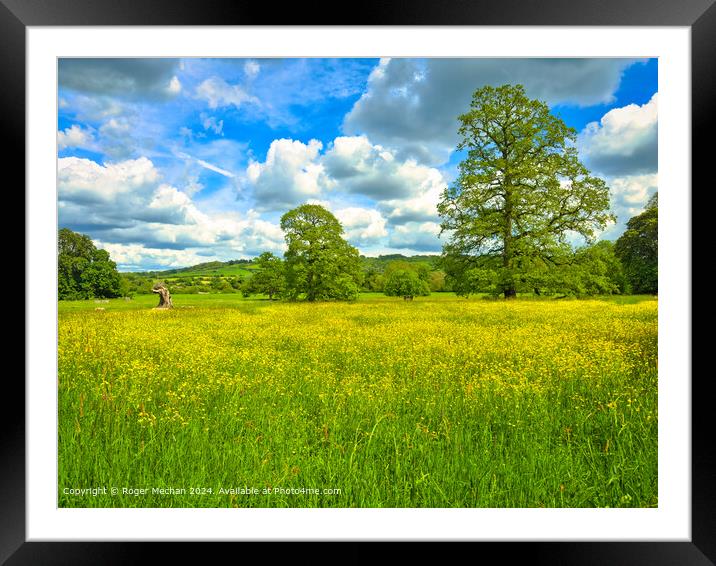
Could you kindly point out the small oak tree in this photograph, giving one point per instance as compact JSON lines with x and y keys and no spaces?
{"x":319,"y":263}
{"x":269,"y":278}
{"x":406,"y":284}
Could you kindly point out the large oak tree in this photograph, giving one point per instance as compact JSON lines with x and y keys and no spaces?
{"x":521,"y":190}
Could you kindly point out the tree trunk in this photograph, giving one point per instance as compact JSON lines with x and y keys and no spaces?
{"x":507,"y":252}
{"x":165,"y":299}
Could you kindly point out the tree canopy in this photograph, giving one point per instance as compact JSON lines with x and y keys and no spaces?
{"x":269,"y":278}
{"x":520,"y":192}
{"x":405,"y":283}
{"x":83,"y":271}
{"x":319,"y":263}
{"x":638,"y":249}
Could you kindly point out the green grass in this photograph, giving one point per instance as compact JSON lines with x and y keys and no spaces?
{"x":438,"y":402}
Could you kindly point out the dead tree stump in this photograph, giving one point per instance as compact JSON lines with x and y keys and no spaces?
{"x":165,"y":299}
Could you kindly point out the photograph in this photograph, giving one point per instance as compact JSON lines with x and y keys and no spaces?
{"x":357,"y":282}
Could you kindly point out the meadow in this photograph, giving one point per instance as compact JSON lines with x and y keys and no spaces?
{"x":439,"y":402}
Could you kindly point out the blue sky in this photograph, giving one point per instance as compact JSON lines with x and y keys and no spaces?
{"x":171,"y":162}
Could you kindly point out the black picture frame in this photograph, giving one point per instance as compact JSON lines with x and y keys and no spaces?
{"x":698,"y":15}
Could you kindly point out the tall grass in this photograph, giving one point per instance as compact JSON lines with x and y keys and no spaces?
{"x":439,"y":402}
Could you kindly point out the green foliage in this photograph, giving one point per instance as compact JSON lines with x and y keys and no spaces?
{"x":373,"y":280}
{"x":269,"y":279}
{"x":587,"y":271}
{"x":83,"y":271}
{"x":217,"y":283}
{"x":406,"y":284}
{"x":638,"y":249}
{"x":319,"y":263}
{"x":436,"y":281}
{"x":520,"y":191}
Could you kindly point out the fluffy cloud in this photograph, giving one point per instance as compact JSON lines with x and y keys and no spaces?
{"x":362,"y":168}
{"x":290,"y":175}
{"x":351,"y":167}
{"x":128,"y":78}
{"x":422,"y":207}
{"x":75,"y":136}
{"x":218,"y":93}
{"x":624,"y":141}
{"x":629,"y":195}
{"x":411,"y":104}
{"x":147,"y":223}
{"x":84,"y":181}
{"x":138,"y":257}
{"x":232,"y":238}
{"x":362,"y":226}
{"x":406,"y":190}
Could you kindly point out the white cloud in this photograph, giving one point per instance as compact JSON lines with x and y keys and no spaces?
{"x":624,"y":141}
{"x":419,"y":208}
{"x":406,"y":190}
{"x":75,"y":136}
{"x":174,"y":207}
{"x":146,"y":223}
{"x":138,"y":257}
{"x":85,"y":181}
{"x":295,"y":172}
{"x":351,"y":168}
{"x":362,"y":225}
{"x":290,"y":175}
{"x":251,"y":68}
{"x":174,"y":86}
{"x":630,"y":194}
{"x":218,"y":93}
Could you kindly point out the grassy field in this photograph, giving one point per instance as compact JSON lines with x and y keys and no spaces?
{"x":439,"y":402}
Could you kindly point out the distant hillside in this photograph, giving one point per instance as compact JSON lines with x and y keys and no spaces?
{"x":227,"y":276}
{"x":221,"y":268}
{"x":385,"y":259}
{"x":246,"y":266}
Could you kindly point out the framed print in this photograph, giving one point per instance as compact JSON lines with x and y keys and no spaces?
{"x":371,"y":280}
